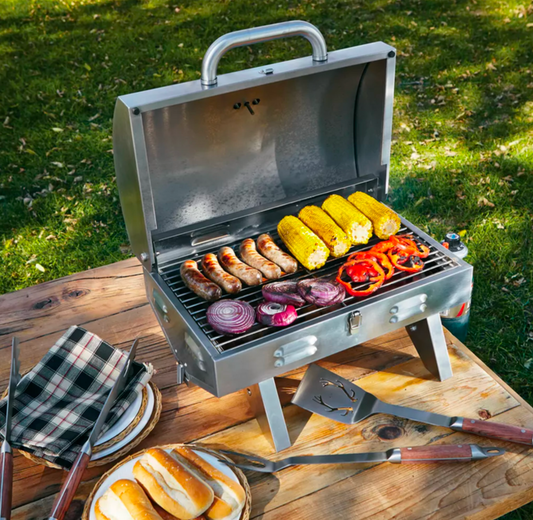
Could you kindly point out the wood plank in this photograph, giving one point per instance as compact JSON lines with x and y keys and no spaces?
{"x":77,"y":299}
{"x":486,"y":489}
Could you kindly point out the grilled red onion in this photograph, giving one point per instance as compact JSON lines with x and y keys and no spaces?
{"x":276,"y":314}
{"x":231,"y":316}
{"x":285,"y":292}
{"x":321,"y":292}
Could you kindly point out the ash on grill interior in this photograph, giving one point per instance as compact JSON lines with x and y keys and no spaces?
{"x":435,"y":263}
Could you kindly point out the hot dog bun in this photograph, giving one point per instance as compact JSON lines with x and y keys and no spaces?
{"x":171,"y":485}
{"x":230,"y":496}
{"x":125,"y":500}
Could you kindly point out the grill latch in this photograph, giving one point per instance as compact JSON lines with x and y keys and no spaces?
{"x":354,"y":322}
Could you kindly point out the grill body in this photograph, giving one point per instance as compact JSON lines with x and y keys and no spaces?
{"x":202,"y":165}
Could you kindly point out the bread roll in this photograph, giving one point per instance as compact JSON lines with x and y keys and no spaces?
{"x":125,"y":500}
{"x":230,"y":496}
{"x":171,"y":485}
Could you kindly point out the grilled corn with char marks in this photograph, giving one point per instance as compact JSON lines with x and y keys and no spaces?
{"x":307,"y":247}
{"x":318,"y":221}
{"x":384,"y":220}
{"x":349,"y":218}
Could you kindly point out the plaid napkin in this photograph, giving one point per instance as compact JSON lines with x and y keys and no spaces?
{"x":58,"y":401}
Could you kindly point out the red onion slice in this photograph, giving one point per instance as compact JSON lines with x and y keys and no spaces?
{"x":276,"y":314}
{"x":321,"y":292}
{"x":285,"y":292}
{"x":231,"y":316}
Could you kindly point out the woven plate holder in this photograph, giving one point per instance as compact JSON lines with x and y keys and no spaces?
{"x":245,"y":515}
{"x":156,"y":413}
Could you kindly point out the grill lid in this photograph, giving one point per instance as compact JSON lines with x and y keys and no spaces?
{"x":191,"y":152}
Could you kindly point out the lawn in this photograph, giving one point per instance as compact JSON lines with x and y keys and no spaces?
{"x":462,"y":145}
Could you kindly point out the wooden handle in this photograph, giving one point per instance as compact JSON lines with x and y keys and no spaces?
{"x":504,"y":432}
{"x":68,"y":490}
{"x":6,"y":468}
{"x":446,"y":453}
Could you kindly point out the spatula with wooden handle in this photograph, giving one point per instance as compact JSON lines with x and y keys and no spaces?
{"x":327,"y":394}
{"x":6,"y":454}
{"x":68,"y":490}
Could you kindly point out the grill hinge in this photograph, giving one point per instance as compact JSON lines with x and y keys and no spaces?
{"x":354,"y":322}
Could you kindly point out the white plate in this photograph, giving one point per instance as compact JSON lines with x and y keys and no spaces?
{"x":136,"y":431}
{"x":128,"y":416}
{"x":126,"y":471}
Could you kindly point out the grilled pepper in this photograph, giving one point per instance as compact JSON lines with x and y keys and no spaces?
{"x":374,"y":274}
{"x":349,"y":218}
{"x":384,"y":220}
{"x":403,"y":253}
{"x":318,"y":221}
{"x":307,"y":247}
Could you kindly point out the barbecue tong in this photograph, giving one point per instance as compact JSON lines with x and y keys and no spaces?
{"x":417,"y":454}
{"x":327,"y":394}
{"x":6,"y":453}
{"x":65,"y":496}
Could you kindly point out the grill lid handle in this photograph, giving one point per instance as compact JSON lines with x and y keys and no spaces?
{"x":257,"y":35}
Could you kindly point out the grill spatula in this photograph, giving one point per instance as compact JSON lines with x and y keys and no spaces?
{"x":327,"y":394}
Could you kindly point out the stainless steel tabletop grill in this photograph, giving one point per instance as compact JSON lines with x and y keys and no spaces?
{"x":214,"y":161}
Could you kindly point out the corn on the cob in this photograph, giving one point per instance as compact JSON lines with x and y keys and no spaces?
{"x":385,"y":221}
{"x":318,"y":221}
{"x":349,"y":218}
{"x":308,"y":249}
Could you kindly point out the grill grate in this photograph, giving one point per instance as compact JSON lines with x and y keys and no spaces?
{"x":435,"y":263}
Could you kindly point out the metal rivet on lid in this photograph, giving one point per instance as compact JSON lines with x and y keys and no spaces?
{"x":394,"y":310}
{"x":391,"y":54}
{"x":423,"y":307}
{"x":394,"y":319}
{"x":523,"y":431}
{"x":472,"y":421}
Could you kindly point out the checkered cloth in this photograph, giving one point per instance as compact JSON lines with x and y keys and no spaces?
{"x":58,"y":401}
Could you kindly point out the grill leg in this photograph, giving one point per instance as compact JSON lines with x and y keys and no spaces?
{"x":428,"y":338}
{"x":265,"y":403}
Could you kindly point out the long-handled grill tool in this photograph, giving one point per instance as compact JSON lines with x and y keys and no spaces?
{"x":327,"y":394}
{"x":441,"y":453}
{"x":6,"y":454}
{"x":65,"y":496}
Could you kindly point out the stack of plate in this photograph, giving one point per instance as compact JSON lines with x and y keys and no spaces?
{"x":135,"y":424}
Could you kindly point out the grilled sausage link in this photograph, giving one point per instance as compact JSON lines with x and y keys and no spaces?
{"x":198,"y":283}
{"x":232,"y":264}
{"x":267,"y":247}
{"x":250,"y":255}
{"x":213,"y":271}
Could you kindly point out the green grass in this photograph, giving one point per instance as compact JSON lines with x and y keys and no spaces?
{"x":462,"y":149}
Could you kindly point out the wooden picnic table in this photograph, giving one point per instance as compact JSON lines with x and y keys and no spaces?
{"x":111,"y":302}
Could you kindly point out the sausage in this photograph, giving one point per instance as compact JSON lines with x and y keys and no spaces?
{"x":229,"y":261}
{"x":250,"y":255}
{"x":213,"y":271}
{"x":198,"y":283}
{"x":267,"y":247}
